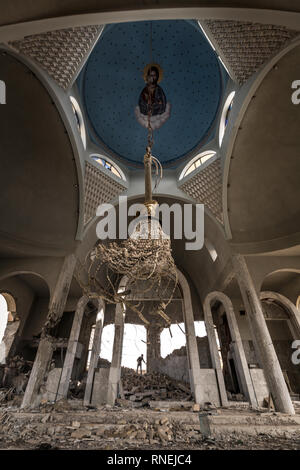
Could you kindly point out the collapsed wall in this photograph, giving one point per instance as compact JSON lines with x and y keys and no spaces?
{"x":175,"y":365}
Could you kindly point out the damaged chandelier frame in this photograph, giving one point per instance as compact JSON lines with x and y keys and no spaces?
{"x":144,"y":259}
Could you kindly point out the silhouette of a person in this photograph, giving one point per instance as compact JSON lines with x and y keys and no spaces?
{"x":139,"y":364}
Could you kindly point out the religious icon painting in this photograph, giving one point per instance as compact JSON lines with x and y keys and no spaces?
{"x":152,"y":101}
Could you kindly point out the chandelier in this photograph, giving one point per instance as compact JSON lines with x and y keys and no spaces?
{"x":144,"y":259}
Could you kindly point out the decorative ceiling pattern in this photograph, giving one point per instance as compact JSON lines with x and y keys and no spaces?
{"x":61,"y":53}
{"x":112,"y":80}
{"x":246,"y":46}
{"x":99,"y":188}
{"x":206,"y":188}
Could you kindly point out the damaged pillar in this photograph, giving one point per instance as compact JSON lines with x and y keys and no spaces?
{"x":261,"y":338}
{"x":153,"y":345}
{"x":115,"y":368}
{"x":192,"y":348}
{"x":242,"y":364}
{"x":72,"y":347}
{"x":95,"y":354}
{"x":213,"y":347}
{"x":45,"y":349}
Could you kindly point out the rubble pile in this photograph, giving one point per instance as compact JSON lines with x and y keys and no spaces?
{"x":141,"y":389}
{"x":58,"y":426}
{"x":13,"y":378}
{"x":235,"y":396}
{"x":161,"y":430}
{"x":66,"y":425}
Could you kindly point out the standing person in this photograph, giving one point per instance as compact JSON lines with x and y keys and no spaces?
{"x":139,"y":364}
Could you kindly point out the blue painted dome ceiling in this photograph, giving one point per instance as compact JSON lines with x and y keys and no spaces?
{"x":113,"y":79}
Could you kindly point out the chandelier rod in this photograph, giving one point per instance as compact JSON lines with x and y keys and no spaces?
{"x":148,"y":178}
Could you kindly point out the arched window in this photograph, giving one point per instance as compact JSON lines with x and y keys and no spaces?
{"x":196,"y":162}
{"x":109,"y":165}
{"x":79,"y":120}
{"x":225,"y":116}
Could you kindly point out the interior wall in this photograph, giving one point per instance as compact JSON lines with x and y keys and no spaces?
{"x":245,"y":332}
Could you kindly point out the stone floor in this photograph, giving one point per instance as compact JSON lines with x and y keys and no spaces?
{"x":69,"y":425}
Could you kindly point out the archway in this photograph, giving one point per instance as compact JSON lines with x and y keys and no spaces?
{"x":283,"y":322}
{"x":238,"y":368}
{"x":26,"y":295}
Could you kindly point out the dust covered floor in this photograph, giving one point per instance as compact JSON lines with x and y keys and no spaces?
{"x":69,"y":425}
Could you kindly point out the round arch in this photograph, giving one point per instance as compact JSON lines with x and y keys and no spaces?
{"x":261,"y":230}
{"x":239,"y":353}
{"x":284,"y":280}
{"x":11,"y":303}
{"x":42,"y":18}
{"x":288,"y":306}
{"x":27,"y":296}
{"x":19,"y":272}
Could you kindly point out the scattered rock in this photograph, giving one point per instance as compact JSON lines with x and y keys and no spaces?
{"x":45,"y":418}
{"x":80,"y":433}
{"x":76,"y":424}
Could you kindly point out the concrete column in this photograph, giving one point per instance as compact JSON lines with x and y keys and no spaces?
{"x":72,"y":347}
{"x":39,"y":369}
{"x":192,"y":348}
{"x":153,"y":345}
{"x":94,"y":355}
{"x":213,"y":347}
{"x":45,"y":349}
{"x":115,"y":368}
{"x":261,"y":338}
{"x":240,"y":357}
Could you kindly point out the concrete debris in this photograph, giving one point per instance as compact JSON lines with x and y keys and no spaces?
{"x":235,"y":396}
{"x":77,"y":388}
{"x":59,"y":406}
{"x":141,"y":389}
{"x":13,"y":378}
{"x":145,"y":428}
{"x":80,"y":433}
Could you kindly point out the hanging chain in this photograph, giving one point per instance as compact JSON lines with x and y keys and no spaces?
{"x":151,"y":59}
{"x":150,"y":140}
{"x":150,"y":105}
